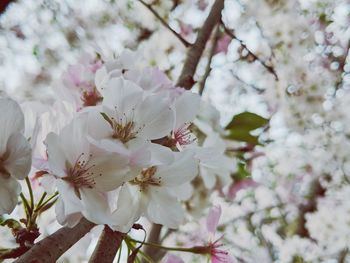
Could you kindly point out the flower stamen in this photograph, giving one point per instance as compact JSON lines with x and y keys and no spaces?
{"x":147,"y":178}
{"x":79,"y":175}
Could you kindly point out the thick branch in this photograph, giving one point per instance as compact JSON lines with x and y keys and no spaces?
{"x":196,"y":50}
{"x":153,"y":237}
{"x":154,"y":12}
{"x":107,"y":246}
{"x":52,"y":247}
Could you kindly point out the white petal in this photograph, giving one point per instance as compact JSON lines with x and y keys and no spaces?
{"x":48,"y":182}
{"x":69,"y":205}
{"x":96,"y":207}
{"x":154,"y":117}
{"x":9,"y":191}
{"x":11,"y":121}
{"x":182,"y":170}
{"x":186,"y":108}
{"x":160,"y":154}
{"x":56,"y":157}
{"x":19,"y":160}
{"x":164,"y":209}
{"x":98,"y":127}
{"x":66,"y":220}
{"x":183,"y":192}
{"x":109,"y":171}
{"x":129,"y":208}
{"x":73,"y":140}
{"x":123,"y":96}
{"x":209,"y":177}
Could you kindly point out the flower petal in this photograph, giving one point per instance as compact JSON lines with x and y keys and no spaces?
{"x":109,"y":171}
{"x":213,"y":219}
{"x":11,"y":121}
{"x":186,"y":108}
{"x":123,"y":96}
{"x":164,"y":209}
{"x":182,"y":170}
{"x":129,"y":208}
{"x":9,"y":191}
{"x":56,"y":157}
{"x":154,"y":117}
{"x":96,"y":207}
{"x":19,"y":159}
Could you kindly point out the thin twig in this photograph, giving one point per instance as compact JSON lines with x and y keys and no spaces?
{"x":196,"y":50}
{"x":251,"y":53}
{"x":154,"y":12}
{"x":210,"y":58}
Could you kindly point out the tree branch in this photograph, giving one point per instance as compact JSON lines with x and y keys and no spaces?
{"x":316,"y":191}
{"x":196,"y":50}
{"x":154,"y":12}
{"x":52,"y":247}
{"x":153,"y":237}
{"x":186,"y":81}
{"x":210,"y":58}
{"x":107,"y":246}
{"x":4,"y":4}
{"x":251,"y":53}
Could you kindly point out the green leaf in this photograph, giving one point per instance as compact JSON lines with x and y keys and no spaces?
{"x":242,"y":135}
{"x":248,"y":121}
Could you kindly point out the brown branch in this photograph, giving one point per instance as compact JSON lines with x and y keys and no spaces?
{"x":210,"y":58}
{"x":154,"y":237}
{"x":52,"y":247}
{"x":107,"y":246}
{"x":186,"y":81}
{"x":196,"y":50}
{"x":154,"y":12}
{"x":251,"y":53}
{"x":316,"y":191}
{"x":4,"y":4}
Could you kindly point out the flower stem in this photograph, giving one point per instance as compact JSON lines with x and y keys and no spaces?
{"x":195,"y":250}
{"x":30,"y":193}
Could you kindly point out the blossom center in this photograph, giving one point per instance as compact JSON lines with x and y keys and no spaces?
{"x":91,"y":98}
{"x":80,"y":175}
{"x":146,"y":178}
{"x":124,"y":127}
{"x":183,"y":135}
{"x":123,"y":131}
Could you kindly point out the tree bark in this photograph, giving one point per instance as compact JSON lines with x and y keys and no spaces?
{"x":52,"y":247}
{"x":107,"y":246}
{"x":196,"y":50}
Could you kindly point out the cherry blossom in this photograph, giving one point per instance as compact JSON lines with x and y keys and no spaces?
{"x":15,"y":154}
{"x":83,"y":173}
{"x":154,"y":190}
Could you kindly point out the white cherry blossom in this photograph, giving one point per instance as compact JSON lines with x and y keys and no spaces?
{"x":15,"y":154}
{"x":83,"y":172}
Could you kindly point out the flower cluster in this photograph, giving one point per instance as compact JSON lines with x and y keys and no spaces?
{"x":117,"y":146}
